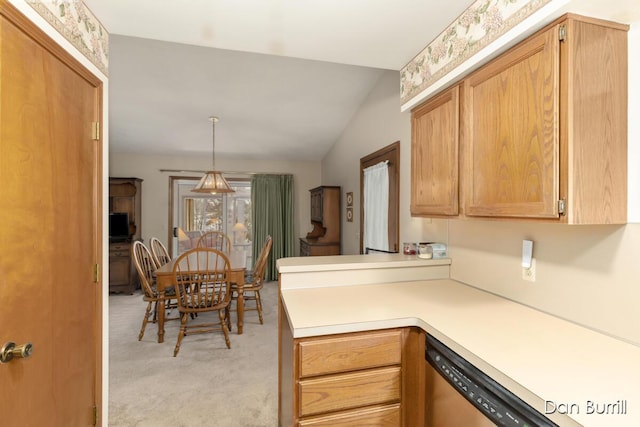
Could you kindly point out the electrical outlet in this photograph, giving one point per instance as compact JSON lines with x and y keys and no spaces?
{"x":529,"y":274}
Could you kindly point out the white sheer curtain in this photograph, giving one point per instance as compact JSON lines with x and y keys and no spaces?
{"x":376,"y":207}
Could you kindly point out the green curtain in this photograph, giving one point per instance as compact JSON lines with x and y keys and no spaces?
{"x":272,"y":215}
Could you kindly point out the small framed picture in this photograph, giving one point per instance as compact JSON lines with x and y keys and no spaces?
{"x":350,"y":199}
{"x":349,"y":214}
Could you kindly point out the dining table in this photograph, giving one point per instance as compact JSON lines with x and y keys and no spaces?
{"x":165,"y":280}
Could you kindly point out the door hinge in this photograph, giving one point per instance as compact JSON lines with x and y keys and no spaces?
{"x":561,"y":206}
{"x":95,"y":130}
{"x":562,"y":32}
{"x":96,"y":273}
{"x":95,"y":415}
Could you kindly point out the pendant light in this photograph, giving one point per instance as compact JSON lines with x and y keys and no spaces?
{"x":213,"y":182}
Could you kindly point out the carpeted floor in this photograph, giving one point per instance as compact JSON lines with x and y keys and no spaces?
{"x":206,"y":384}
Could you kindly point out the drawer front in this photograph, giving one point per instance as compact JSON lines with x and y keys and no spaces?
{"x":120,"y":247}
{"x":119,"y":254}
{"x":320,"y":250}
{"x":381,"y":416}
{"x":350,"y":352}
{"x":346,"y":391}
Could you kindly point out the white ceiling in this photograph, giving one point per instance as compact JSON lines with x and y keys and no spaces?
{"x":284,"y":76}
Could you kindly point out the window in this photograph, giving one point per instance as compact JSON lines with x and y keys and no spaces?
{"x":193,"y":214}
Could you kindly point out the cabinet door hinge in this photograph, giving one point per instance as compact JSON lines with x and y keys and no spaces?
{"x":95,"y":415}
{"x":96,"y":273}
{"x":561,"y":206}
{"x":562,"y":32}
{"x":95,"y":126}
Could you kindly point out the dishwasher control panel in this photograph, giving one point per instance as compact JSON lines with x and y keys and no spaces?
{"x":492,"y":399}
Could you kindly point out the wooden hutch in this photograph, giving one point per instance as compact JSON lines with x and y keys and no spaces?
{"x":125,"y":196}
{"x":324,"y":239}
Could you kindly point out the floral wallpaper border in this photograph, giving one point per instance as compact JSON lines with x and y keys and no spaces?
{"x":77,"y":24}
{"x":480,"y":24}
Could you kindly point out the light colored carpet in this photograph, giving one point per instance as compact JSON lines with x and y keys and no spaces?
{"x":206,"y":384}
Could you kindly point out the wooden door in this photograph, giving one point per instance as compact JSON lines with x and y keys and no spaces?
{"x":434,"y":156}
{"x":511,"y":132}
{"x":50,"y":182}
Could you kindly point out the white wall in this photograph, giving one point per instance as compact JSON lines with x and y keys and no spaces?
{"x":155,"y":187}
{"x":377,"y":124}
{"x":587,"y":274}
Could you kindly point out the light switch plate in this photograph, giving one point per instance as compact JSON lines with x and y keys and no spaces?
{"x":527,"y":253}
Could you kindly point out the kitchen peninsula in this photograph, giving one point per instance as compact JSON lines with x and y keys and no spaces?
{"x":347,"y":327}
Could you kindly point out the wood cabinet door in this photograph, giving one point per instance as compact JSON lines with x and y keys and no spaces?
{"x":316,"y":205}
{"x":511,"y":132}
{"x":434,"y":155}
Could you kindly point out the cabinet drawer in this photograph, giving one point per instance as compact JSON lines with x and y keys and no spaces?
{"x":382,"y":416}
{"x":346,"y":391}
{"x":350,"y":352}
{"x":120,"y":246}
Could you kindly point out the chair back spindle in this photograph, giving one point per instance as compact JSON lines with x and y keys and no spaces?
{"x":159,"y":251}
{"x":216,"y":240}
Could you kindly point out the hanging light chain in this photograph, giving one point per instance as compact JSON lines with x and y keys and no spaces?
{"x":213,"y":119}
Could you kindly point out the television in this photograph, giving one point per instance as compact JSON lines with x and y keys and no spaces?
{"x":118,"y":226}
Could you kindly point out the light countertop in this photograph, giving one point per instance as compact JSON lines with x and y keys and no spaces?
{"x":354,"y":262}
{"x":543,"y":359}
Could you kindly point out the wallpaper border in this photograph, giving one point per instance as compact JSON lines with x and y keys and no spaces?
{"x":479,"y":25}
{"x":76,"y":23}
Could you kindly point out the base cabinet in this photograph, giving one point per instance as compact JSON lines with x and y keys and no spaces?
{"x":121,"y":278}
{"x":353,"y":379}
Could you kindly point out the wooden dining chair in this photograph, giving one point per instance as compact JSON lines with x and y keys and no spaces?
{"x":159,"y":251}
{"x":201,"y":280}
{"x":146,"y":266}
{"x":216,"y":240}
{"x":254,"y":281}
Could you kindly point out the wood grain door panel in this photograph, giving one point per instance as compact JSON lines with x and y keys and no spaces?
{"x":350,"y":352}
{"x":49,"y":227}
{"x":512,"y":120}
{"x":352,"y":390}
{"x":434,"y":155}
{"x":379,"y":416}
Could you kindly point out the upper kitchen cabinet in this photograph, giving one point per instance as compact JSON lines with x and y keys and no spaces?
{"x":544,"y":127}
{"x":434,"y":155}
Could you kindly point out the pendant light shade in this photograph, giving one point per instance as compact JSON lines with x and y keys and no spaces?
{"x":213,"y":182}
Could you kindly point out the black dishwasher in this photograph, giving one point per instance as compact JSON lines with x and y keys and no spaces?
{"x":491,"y":402}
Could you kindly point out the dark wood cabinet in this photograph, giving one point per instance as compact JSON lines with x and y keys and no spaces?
{"x":324,"y":239}
{"x":125,"y":196}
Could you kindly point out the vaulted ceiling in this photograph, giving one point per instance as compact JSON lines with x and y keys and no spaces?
{"x":284,"y":76}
